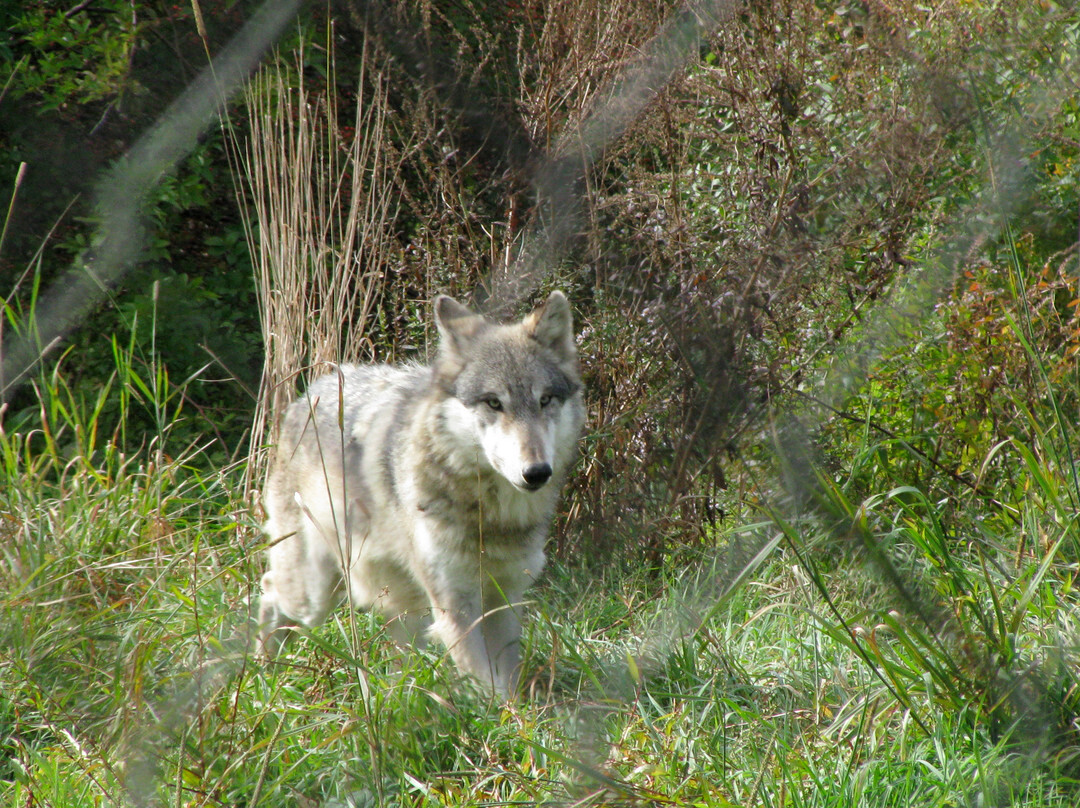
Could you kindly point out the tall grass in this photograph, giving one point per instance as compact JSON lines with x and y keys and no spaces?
{"x":968,"y":612}
{"x":321,"y":191}
{"x":120,"y":570}
{"x":126,"y":678}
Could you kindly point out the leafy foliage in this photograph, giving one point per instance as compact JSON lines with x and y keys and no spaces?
{"x":75,"y":58}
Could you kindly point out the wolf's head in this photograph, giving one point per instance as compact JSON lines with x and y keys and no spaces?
{"x":514,"y":390}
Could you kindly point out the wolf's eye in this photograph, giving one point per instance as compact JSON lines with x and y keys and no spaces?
{"x":494,"y":403}
{"x":545,"y":399}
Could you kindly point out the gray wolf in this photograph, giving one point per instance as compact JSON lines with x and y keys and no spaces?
{"x":426,"y":492}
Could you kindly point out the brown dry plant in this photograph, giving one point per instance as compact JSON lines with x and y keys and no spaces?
{"x":322,"y":201}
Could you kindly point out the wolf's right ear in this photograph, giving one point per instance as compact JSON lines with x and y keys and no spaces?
{"x":457,"y":327}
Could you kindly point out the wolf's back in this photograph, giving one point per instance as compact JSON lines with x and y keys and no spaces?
{"x":344,"y":405}
{"x":346,"y":419}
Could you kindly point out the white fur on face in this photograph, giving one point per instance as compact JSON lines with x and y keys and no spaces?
{"x":567,"y":428}
{"x":463,"y":430}
{"x":506,"y":445}
{"x":512,"y":446}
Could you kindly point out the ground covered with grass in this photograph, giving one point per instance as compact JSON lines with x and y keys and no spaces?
{"x":827,"y":648}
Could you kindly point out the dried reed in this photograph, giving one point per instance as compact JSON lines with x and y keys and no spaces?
{"x":319,"y":204}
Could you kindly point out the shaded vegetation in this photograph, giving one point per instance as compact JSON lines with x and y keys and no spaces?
{"x":822,"y":545}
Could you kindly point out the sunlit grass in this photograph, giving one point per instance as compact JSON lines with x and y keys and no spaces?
{"x":127,"y":678}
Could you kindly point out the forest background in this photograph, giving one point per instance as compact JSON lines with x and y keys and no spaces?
{"x":822,"y":542}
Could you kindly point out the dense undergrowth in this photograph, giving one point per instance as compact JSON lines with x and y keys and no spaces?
{"x":823,"y":543}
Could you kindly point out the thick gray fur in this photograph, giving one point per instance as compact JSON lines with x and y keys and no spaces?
{"x":432,"y":487}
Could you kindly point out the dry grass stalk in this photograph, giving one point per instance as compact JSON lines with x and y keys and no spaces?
{"x":322,"y":195}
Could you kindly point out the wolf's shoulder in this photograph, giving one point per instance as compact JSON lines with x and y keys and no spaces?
{"x":369,"y":378}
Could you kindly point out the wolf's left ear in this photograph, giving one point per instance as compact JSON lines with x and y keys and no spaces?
{"x":552,"y":326}
{"x":457,"y":328}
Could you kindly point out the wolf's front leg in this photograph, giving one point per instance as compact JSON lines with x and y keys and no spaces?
{"x":501,"y":629}
{"x":457,"y":625}
{"x":483,"y":639}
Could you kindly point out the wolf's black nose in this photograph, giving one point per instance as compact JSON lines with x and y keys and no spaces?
{"x":536,"y":475}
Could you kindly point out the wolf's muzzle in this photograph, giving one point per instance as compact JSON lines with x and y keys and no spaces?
{"x":536,"y":475}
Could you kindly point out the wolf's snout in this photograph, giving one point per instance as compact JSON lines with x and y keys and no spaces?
{"x":536,"y":475}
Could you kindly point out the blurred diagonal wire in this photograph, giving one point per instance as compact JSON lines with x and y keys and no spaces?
{"x":557,"y":181}
{"x":801,"y":492}
{"x":121,"y":236}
